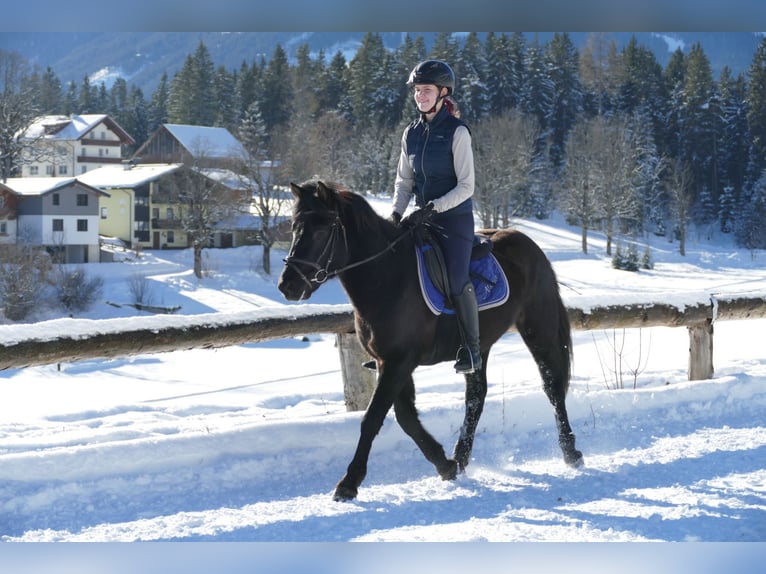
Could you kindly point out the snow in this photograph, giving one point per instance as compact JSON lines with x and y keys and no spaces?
{"x":246,"y":443}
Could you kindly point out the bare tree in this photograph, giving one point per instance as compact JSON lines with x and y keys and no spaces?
{"x":17,"y":112}
{"x":581,"y":181}
{"x":203,"y":200}
{"x":600,"y":175}
{"x":257,"y":172}
{"x":680,"y":180}
{"x":504,"y":148}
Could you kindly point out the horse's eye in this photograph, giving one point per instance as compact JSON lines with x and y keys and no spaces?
{"x":318,"y":234}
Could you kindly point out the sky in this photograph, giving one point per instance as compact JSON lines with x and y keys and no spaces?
{"x":245,"y":444}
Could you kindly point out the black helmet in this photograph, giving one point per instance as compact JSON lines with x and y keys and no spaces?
{"x":433,"y":72}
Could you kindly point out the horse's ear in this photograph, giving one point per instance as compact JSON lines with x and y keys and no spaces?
{"x":296,"y":189}
{"x":325,"y":194}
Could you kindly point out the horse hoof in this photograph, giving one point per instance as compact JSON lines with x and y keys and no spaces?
{"x":574,"y":459}
{"x":344,"y":493}
{"x":450,"y":471}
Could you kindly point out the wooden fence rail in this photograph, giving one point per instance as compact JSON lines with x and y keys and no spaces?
{"x":69,"y":340}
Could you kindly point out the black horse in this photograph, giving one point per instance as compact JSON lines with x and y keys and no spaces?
{"x":337,"y":233}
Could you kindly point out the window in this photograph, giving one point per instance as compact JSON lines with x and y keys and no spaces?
{"x":62,"y":170}
{"x":56,"y":199}
{"x":48,"y":170}
{"x":103,"y":213}
{"x":3,"y":228}
{"x":83,"y":169}
{"x":169,"y":213}
{"x":34,"y":170}
{"x":58,"y":225}
{"x":171,"y":237}
{"x":82,"y":225}
{"x":82,"y":199}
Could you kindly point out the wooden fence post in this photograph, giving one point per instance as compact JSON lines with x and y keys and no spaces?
{"x":701,"y":351}
{"x":358,"y":381}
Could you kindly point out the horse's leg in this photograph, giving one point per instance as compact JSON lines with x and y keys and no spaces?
{"x":388,"y":387}
{"x":552,"y":358}
{"x":407,"y":416}
{"x":475,"y":393}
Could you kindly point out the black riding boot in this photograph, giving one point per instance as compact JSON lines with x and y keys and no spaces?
{"x":467,"y":310}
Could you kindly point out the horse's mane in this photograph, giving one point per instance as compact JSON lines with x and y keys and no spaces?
{"x":354,"y":209}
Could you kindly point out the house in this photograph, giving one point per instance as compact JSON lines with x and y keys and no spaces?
{"x":131,"y":206}
{"x":58,"y":213}
{"x":9,"y":201}
{"x":145,"y":207}
{"x":67,"y":146}
{"x":198,"y":146}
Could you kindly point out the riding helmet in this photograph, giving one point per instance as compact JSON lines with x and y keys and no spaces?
{"x":433,"y":72}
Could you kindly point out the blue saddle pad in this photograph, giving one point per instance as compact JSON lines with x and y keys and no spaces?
{"x":489,"y":282}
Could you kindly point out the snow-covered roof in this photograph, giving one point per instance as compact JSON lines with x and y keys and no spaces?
{"x":31,"y":186}
{"x":227,"y":178}
{"x":70,"y":128}
{"x":240,"y":221}
{"x":118,"y":177}
{"x":207,"y":141}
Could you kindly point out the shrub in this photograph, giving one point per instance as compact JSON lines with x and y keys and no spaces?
{"x":625,"y":261}
{"x":23,"y":273}
{"x":78,"y":292}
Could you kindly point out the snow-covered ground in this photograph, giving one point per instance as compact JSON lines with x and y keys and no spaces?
{"x":246,"y":443}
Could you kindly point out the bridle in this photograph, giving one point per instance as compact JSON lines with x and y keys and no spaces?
{"x":323,"y":272}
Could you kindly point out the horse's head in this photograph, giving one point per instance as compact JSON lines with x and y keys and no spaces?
{"x":318,"y":240}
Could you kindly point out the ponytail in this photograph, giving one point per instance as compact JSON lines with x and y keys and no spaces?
{"x":452,"y":106}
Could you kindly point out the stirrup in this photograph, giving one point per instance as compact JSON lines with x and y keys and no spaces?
{"x":466,"y":362}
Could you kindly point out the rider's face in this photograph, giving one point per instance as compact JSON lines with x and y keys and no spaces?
{"x":425,"y":96}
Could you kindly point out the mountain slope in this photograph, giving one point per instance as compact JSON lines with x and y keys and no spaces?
{"x":142,"y":57}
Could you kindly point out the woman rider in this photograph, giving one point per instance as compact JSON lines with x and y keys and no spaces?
{"x":436,"y":166}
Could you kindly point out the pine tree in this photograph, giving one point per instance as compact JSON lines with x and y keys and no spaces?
{"x":193,"y":99}
{"x":50,"y":99}
{"x":137,"y":122}
{"x":446,"y":48}
{"x":733,"y":149}
{"x":563,"y":62}
{"x":333,"y":94}
{"x":751,"y":226}
{"x":70,"y":99}
{"x":371,"y":87}
{"x":697,"y":135}
{"x":247,"y":87}
{"x":275,"y":103}
{"x":405,"y":58}
{"x":504,"y":58}
{"x":537,"y":93}
{"x":157,"y":114}
{"x":471,"y":87}
{"x":756,"y":114}
{"x":226,"y":113}
{"x":87,"y":98}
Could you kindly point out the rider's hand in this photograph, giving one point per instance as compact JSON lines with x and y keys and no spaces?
{"x":419,"y":216}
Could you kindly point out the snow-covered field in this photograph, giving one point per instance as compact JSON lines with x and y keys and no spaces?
{"x":246,"y":443}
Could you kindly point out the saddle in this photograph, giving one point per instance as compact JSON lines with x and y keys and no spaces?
{"x":489,"y":280}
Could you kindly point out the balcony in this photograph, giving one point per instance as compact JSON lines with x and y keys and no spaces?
{"x":98,"y":159}
{"x":159,"y":223}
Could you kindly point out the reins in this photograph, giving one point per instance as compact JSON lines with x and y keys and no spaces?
{"x":322,"y":274}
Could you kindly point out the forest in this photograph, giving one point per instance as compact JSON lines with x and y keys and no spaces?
{"x":608,"y":137}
